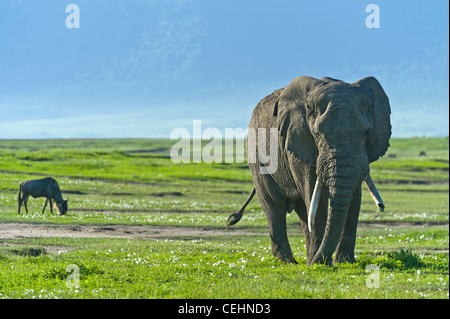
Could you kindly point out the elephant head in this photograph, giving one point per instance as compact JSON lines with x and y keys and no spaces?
{"x":338,"y":128}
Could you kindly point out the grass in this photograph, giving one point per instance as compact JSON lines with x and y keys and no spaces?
{"x":134,"y":182}
{"x":212,"y":269}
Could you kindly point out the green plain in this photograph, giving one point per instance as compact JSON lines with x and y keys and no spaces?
{"x":134,"y":182}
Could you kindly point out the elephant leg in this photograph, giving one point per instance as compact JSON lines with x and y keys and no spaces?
{"x":275,"y":207}
{"x":276,"y":219}
{"x":346,"y":248}
{"x":313,"y":239}
{"x":276,"y":210}
{"x":302,"y":213}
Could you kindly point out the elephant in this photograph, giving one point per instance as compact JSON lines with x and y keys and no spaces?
{"x":329,"y":131}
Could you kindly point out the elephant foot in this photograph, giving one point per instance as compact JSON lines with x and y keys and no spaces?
{"x":289,"y":261}
{"x":344,"y":257}
{"x":320,"y":259}
{"x":286,"y":258}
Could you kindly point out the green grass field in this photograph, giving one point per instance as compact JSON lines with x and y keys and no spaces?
{"x":141,"y":226}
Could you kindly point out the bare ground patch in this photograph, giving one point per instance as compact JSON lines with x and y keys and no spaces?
{"x":33,"y":230}
{"x":38,"y":230}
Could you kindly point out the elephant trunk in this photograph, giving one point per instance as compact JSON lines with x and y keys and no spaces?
{"x":337,"y":215}
{"x":342,"y":175}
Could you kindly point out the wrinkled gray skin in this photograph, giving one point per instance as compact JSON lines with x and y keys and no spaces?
{"x":331,"y":130}
{"x":46,"y":187}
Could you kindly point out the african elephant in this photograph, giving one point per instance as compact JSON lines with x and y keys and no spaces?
{"x":328,"y":133}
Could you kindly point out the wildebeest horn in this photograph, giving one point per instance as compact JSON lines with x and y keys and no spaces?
{"x":374,"y":192}
{"x":314,"y":204}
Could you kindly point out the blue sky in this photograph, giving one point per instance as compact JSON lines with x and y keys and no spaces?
{"x":141,"y":68}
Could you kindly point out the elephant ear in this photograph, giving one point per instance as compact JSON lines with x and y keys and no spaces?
{"x":292,"y":123}
{"x":378,"y":140}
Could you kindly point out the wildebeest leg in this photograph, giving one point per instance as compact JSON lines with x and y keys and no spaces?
{"x":25,"y":202}
{"x":45,"y":205}
{"x":51,"y":206}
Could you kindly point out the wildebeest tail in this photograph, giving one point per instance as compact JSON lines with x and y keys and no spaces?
{"x":20,"y":192}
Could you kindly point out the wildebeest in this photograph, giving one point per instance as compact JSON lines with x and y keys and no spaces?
{"x":46,"y":187}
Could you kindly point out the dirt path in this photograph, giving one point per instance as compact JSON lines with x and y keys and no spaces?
{"x":36,"y":230}
{"x":30,"y":230}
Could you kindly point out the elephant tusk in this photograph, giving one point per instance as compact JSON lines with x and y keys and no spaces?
{"x":374,"y":192}
{"x":314,"y":204}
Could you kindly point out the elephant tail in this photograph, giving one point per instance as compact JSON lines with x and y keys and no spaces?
{"x":234,"y":218}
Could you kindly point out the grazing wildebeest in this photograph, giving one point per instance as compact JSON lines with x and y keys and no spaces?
{"x":46,"y":187}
